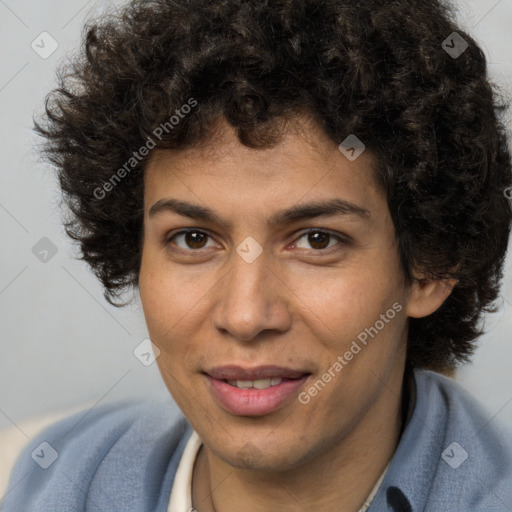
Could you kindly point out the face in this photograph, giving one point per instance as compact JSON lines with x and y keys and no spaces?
{"x":276,"y":269}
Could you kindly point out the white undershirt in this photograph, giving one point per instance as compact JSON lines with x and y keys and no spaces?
{"x":181,"y":493}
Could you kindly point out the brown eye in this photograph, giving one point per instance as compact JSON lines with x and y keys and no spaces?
{"x":318,"y":240}
{"x":195,"y":239}
{"x":192,"y":239}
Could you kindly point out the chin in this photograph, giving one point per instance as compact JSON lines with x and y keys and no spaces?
{"x":263,"y":457}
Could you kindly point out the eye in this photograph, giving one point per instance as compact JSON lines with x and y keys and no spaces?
{"x":190,"y":239}
{"x":318,"y":240}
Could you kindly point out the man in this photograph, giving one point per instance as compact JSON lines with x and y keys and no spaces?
{"x":310,"y":198}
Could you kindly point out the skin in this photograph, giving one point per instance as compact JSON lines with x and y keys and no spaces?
{"x":300,"y":304}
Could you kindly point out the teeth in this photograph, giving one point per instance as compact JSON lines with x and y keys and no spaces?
{"x":261,"y":383}
{"x":244,"y":383}
{"x":256,"y":384}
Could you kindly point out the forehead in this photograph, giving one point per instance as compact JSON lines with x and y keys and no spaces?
{"x":303,"y":164}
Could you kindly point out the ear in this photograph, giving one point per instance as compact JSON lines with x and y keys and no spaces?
{"x":426,"y":295}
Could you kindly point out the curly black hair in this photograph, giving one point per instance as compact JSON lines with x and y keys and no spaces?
{"x":392,"y":72}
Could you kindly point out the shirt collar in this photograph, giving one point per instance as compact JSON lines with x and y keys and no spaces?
{"x":181,"y":492}
{"x":406,"y":486}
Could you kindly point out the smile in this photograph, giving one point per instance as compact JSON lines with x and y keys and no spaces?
{"x":256,"y":384}
{"x":256,"y":391}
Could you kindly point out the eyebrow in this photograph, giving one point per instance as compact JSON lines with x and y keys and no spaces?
{"x":303,"y":211}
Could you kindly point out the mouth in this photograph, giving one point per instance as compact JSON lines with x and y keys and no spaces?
{"x":256,"y":384}
{"x":254,"y":391}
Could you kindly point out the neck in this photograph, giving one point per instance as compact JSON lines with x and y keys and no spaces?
{"x":337,"y":479}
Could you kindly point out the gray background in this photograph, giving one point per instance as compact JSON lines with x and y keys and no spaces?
{"x":62,"y":344}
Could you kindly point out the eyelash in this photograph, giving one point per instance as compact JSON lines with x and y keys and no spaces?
{"x":343,"y":239}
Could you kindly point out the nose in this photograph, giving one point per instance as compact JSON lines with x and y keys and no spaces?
{"x":251,"y":299}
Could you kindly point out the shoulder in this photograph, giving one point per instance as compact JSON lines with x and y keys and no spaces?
{"x":454,"y":453}
{"x":119,"y":456}
{"x":444,"y":398}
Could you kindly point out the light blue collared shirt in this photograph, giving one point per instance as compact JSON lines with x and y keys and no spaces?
{"x":123,"y":457}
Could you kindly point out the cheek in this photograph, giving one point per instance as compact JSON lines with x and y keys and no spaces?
{"x":172,"y":303}
{"x":157,"y":296}
{"x":346,"y":301}
{"x":163,"y":310}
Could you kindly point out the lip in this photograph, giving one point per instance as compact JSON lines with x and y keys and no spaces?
{"x":233,"y":372}
{"x":254,"y":402}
